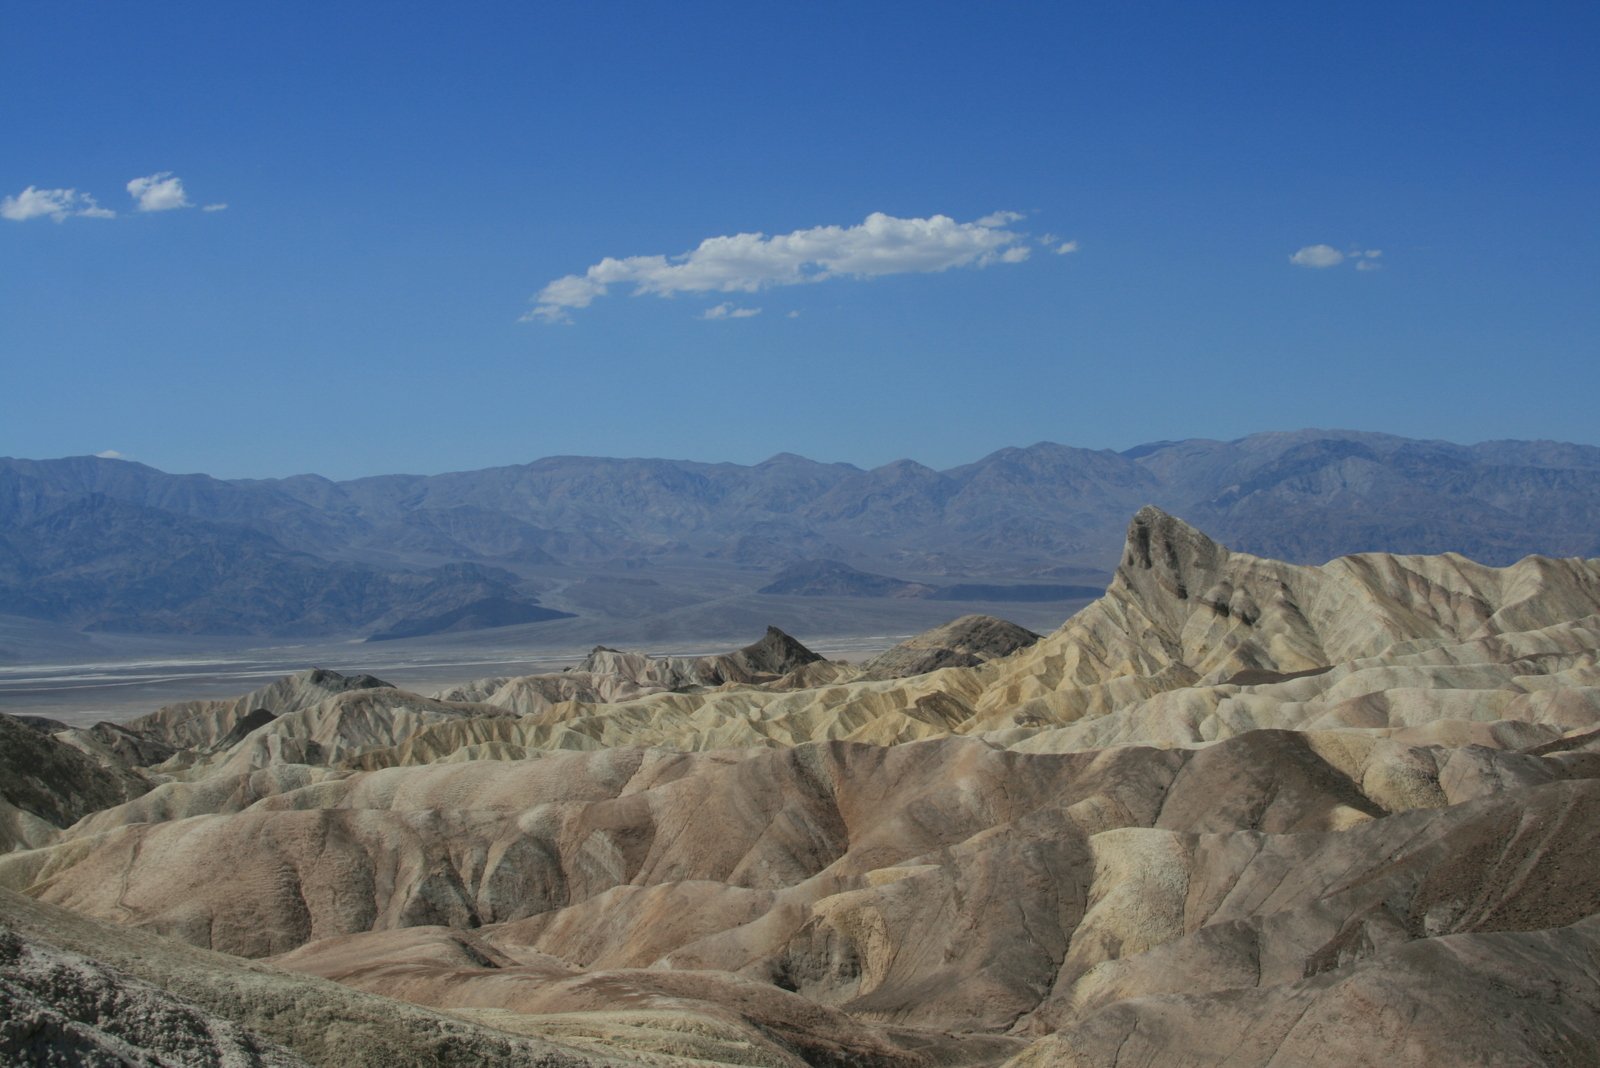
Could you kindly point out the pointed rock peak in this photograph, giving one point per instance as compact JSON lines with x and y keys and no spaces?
{"x":1181,"y":558}
{"x":601,"y":659}
{"x":777,"y":653}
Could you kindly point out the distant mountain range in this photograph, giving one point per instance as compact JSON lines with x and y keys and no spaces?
{"x":111,"y":545}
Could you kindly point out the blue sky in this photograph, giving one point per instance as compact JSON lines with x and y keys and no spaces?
{"x":394,"y":187}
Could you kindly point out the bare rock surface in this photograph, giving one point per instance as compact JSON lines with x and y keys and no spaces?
{"x":965,"y":642}
{"x":316,"y":1021}
{"x":61,"y":1008}
{"x":1236,"y":812}
{"x":46,"y":785}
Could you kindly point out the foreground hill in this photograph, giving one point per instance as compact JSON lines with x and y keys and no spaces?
{"x":117,"y":546}
{"x":1236,"y":812}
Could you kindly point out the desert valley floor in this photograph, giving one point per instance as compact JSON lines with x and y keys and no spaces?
{"x":1235,"y":812}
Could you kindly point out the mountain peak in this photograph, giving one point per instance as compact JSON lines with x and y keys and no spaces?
{"x":1165,"y":549}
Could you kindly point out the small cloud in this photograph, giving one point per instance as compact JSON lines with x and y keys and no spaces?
{"x":215,"y":207}
{"x":749,"y":262}
{"x":109,"y":454}
{"x":162,"y":191}
{"x":1317,"y":256}
{"x":726,"y":310}
{"x":1001,"y":218}
{"x":1328,"y":256}
{"x":92,"y":210}
{"x":1066,"y":248}
{"x":57,"y":204}
{"x":793,"y":315}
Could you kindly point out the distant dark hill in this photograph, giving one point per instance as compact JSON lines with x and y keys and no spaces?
{"x":117,"y":545}
{"x":481,"y":614}
{"x":109,"y":565}
{"x":830,"y":578}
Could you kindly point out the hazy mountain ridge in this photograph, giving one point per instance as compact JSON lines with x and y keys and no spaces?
{"x":117,"y":544}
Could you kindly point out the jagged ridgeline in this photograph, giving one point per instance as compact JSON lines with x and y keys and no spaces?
{"x":1234,"y":812}
{"x":643,"y":547}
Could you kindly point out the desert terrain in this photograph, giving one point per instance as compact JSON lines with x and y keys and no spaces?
{"x":1234,"y":812}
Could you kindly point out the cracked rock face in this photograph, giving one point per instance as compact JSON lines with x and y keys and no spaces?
{"x":60,"y":1008}
{"x":1237,"y":812}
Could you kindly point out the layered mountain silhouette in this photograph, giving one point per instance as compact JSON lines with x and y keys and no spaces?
{"x":115,"y":545}
{"x":1236,"y":812}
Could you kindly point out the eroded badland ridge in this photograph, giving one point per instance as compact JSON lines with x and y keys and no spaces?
{"x":643,"y":550}
{"x":1235,"y":812}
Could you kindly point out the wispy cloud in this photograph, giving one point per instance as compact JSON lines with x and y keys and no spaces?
{"x":162,"y":191}
{"x":746,"y":263}
{"x":1066,"y":248}
{"x":1001,"y":218}
{"x":57,"y":204}
{"x":1324,"y":256}
{"x":109,"y":454}
{"x":727,"y":310}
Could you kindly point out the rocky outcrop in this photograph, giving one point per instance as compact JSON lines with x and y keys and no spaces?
{"x":62,"y":1008}
{"x":965,"y":642}
{"x":610,"y":676}
{"x":46,"y":785}
{"x":153,"y":994}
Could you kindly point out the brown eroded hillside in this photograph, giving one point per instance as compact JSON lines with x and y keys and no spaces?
{"x":1235,"y":812}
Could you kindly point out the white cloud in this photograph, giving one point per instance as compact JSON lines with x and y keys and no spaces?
{"x":746,"y":263}
{"x":1001,"y":218}
{"x":162,"y":191}
{"x":57,"y":204}
{"x":1317,"y":256}
{"x":1328,"y":256}
{"x":92,"y":210}
{"x":793,"y":315}
{"x":215,"y":207}
{"x":1066,"y":248}
{"x":726,"y":310}
{"x":109,"y":454}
